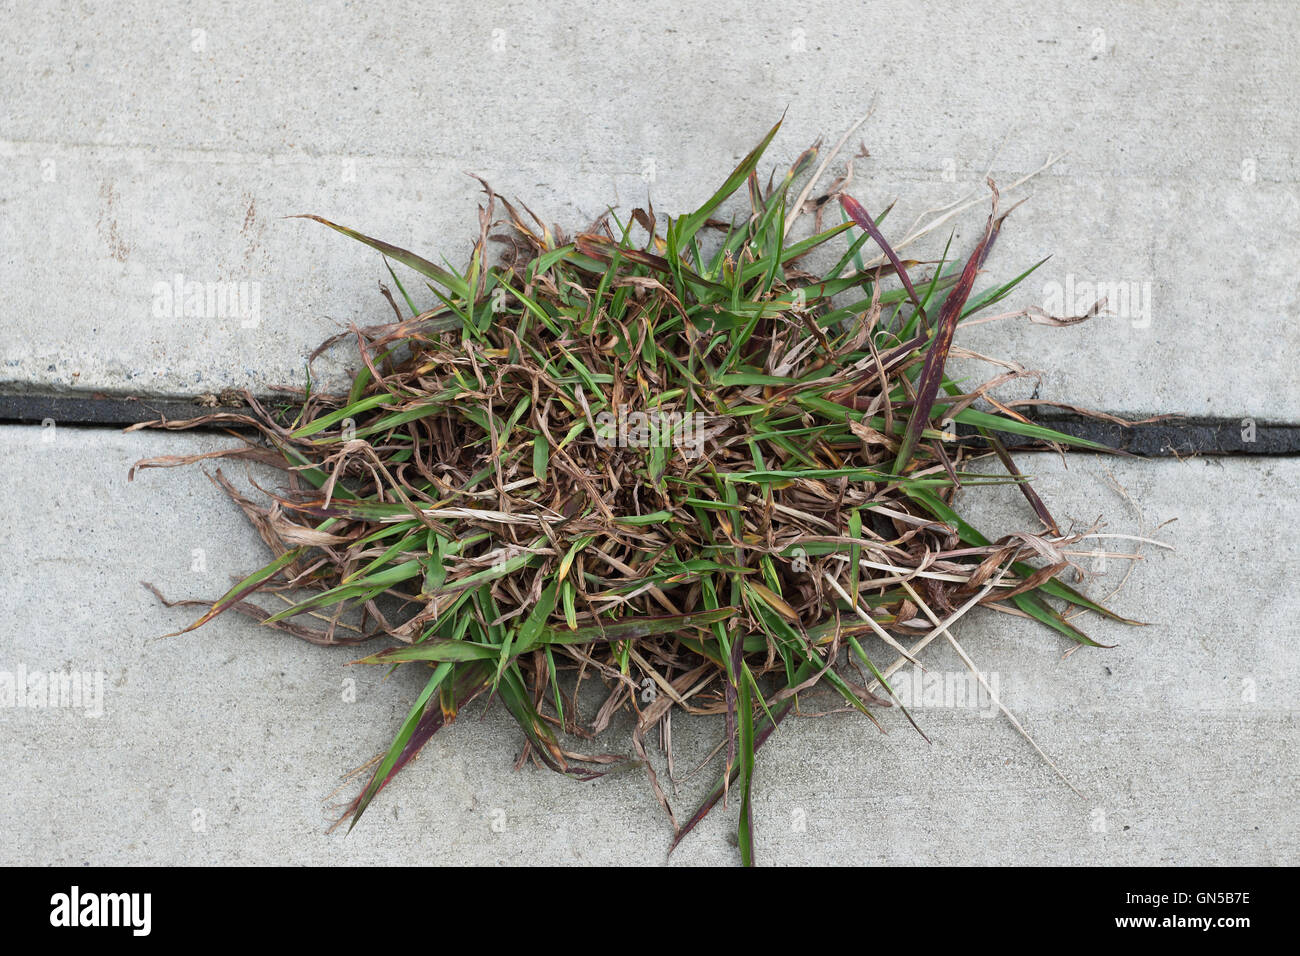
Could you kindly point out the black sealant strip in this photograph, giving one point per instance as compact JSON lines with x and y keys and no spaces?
{"x":96,"y":409}
{"x":1175,"y":437}
{"x":1169,"y":438}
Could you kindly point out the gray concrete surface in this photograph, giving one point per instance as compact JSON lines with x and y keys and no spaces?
{"x":224,"y":745}
{"x":144,"y":141}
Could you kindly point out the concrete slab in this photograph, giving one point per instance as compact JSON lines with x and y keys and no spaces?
{"x":136,"y":147}
{"x":224,"y":745}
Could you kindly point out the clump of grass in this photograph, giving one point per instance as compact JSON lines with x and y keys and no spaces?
{"x":664,"y":456}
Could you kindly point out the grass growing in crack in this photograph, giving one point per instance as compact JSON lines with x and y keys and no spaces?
{"x":663,"y":456}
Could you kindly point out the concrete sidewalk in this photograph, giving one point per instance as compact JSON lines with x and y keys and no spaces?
{"x":141,"y":145}
{"x":149,"y":141}
{"x":224,"y":745}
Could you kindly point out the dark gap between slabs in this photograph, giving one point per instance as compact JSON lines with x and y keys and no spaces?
{"x":1176,"y":437}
